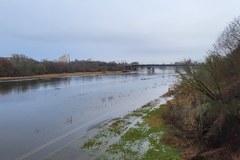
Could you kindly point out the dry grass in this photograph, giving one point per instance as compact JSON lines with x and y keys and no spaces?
{"x":155,"y":122}
{"x":172,"y":136}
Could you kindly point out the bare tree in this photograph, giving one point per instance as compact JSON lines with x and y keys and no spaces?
{"x":229,"y":39}
{"x":204,"y":79}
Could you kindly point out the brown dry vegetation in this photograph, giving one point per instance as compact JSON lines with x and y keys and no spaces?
{"x":205,"y":110}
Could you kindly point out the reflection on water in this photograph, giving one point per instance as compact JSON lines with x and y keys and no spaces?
{"x":23,"y":86}
{"x":36,"y":112}
{"x":20,"y":86}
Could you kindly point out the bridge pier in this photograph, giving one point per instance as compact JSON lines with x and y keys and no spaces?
{"x":151,"y":69}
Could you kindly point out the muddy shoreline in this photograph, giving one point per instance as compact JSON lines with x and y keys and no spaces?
{"x":61,"y":75}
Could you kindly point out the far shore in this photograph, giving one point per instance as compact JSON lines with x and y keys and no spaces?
{"x":61,"y":75}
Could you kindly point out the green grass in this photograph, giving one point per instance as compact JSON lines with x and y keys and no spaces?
{"x":118,"y":126}
{"x":96,"y":141}
{"x":155,"y":121}
{"x":91,"y":143}
{"x":134,"y":134}
{"x":122,"y":150}
{"x":140,"y":112}
{"x":140,"y":142}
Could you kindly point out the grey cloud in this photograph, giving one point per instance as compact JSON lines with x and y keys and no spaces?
{"x":136,"y":29}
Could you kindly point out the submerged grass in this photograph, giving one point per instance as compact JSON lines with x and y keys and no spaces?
{"x":140,"y":140}
{"x":118,"y":126}
{"x":134,"y":134}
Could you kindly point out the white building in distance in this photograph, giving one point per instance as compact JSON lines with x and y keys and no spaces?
{"x":65,"y":58}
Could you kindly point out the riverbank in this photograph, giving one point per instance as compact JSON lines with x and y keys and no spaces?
{"x":138,"y":135}
{"x":60,"y":75}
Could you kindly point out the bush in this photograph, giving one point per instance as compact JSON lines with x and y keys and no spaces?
{"x":206,"y":103}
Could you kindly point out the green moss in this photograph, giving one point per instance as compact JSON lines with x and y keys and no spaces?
{"x":134,"y":134}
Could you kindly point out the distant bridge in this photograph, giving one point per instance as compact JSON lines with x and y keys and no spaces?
{"x":151,"y":67}
{"x":156,"y":65}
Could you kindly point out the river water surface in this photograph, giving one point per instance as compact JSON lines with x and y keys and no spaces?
{"x":39,"y":116}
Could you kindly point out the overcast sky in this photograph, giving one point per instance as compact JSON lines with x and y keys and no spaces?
{"x":148,"y":31}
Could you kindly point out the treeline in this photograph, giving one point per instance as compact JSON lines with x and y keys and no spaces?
{"x":21,"y":65}
{"x":205,"y":110}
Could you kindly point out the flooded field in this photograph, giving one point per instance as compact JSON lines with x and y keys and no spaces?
{"x":39,"y":116}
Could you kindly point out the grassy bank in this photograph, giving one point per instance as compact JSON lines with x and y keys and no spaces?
{"x":138,"y":135}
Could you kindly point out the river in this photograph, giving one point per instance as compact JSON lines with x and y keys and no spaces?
{"x":39,"y":116}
